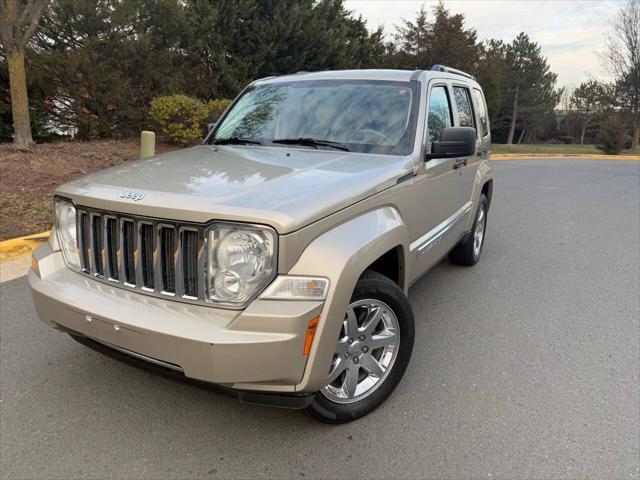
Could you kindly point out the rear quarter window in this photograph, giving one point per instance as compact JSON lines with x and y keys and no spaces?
{"x":481,"y":108}
{"x":464,"y":109}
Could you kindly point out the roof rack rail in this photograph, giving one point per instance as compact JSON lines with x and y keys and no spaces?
{"x":455,"y":71}
{"x":415,"y":75}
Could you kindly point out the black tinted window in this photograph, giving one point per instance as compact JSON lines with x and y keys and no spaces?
{"x":439,"y":113}
{"x":464,"y":109}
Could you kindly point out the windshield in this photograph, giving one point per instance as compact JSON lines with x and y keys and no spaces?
{"x":354,"y":115}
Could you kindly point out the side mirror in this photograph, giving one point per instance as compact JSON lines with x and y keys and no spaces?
{"x":454,"y":142}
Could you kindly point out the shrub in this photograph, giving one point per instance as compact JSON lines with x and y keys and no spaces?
{"x":612,"y":136}
{"x":182,"y":119}
{"x":179,"y":118}
{"x":216,"y":108}
{"x":567,"y":139}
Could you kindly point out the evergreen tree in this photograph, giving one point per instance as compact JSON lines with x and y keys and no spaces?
{"x":588,"y":99}
{"x":105,"y":60}
{"x":491,"y":74}
{"x":531,"y":85}
{"x":443,"y":39}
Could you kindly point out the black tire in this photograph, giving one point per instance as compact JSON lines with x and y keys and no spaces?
{"x":372,"y":285}
{"x":463,"y":253}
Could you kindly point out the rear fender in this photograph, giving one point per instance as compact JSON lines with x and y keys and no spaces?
{"x":342,"y":255}
{"x":483,"y":175}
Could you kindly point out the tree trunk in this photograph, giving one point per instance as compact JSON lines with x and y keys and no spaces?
{"x":514,"y":117}
{"x":521,"y":136}
{"x":584,"y":129}
{"x":635,"y":142}
{"x":19,"y":100}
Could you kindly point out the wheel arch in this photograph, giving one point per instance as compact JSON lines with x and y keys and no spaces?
{"x":392,"y":265}
{"x":487,"y":189}
{"x":343,"y":254}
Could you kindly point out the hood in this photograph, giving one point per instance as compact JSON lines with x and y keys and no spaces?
{"x":287,"y":188}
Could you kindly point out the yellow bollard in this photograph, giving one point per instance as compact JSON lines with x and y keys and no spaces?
{"x":147,"y":144}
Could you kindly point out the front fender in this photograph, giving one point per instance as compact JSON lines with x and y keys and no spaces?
{"x":342,"y":255}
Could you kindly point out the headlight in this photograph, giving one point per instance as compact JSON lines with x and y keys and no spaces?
{"x":241,"y":262}
{"x":66,"y":231}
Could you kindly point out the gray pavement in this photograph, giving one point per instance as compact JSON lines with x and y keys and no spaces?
{"x":525,"y":366}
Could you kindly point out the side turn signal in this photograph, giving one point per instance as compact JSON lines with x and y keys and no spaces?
{"x":311,"y":331}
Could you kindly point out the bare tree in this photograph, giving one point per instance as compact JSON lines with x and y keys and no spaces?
{"x":18,"y":22}
{"x":622,"y":59}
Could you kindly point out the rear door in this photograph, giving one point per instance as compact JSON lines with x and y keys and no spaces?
{"x":465,"y":116}
{"x":482,"y":119}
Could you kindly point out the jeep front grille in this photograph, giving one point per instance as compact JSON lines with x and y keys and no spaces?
{"x":153,"y":256}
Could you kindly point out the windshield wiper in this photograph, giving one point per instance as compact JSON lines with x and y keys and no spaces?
{"x":311,"y":142}
{"x":235,"y":141}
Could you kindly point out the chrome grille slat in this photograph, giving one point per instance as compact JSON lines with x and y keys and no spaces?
{"x":156,"y":257}
{"x":177,"y":257}
{"x":138,"y":255}
{"x":128,"y":248}
{"x":147,"y":248}
{"x":96,"y":253}
{"x":83,"y":240}
{"x":112,"y":244}
{"x":167,"y":249}
{"x":121,"y":259}
{"x":189,"y":261}
{"x":157,"y":270}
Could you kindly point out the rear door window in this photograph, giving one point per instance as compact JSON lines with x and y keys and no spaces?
{"x":439,"y":116}
{"x":464,"y":110}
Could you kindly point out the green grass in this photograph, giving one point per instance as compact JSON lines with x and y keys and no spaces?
{"x":563,"y":149}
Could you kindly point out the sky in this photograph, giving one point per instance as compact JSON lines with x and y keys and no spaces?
{"x":570,"y":32}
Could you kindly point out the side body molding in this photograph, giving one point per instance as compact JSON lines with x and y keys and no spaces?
{"x":342,"y":254}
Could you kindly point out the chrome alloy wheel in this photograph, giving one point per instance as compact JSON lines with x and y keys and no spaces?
{"x":367,"y":348}
{"x":478,"y":233}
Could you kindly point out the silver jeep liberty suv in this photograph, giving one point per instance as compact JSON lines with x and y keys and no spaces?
{"x":273,"y":261}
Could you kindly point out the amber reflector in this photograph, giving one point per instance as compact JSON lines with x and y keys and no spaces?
{"x":311,"y":330}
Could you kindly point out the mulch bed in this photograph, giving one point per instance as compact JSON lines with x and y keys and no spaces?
{"x":28,"y":179}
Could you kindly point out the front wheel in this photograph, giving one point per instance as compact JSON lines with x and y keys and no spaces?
{"x":372,"y":351}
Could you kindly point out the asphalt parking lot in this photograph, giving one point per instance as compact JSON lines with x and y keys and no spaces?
{"x":525,"y":366}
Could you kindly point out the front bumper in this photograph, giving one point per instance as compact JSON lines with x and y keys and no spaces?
{"x":259,"y":349}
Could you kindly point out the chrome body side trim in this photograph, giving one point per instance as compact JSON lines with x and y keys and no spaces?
{"x":423,"y":244}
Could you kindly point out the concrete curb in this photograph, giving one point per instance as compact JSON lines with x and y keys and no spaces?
{"x":515,"y":156}
{"x":14,"y":268}
{"x":19,"y":247}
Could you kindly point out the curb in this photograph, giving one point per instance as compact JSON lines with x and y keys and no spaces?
{"x":19,"y":247}
{"x":515,"y":156}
